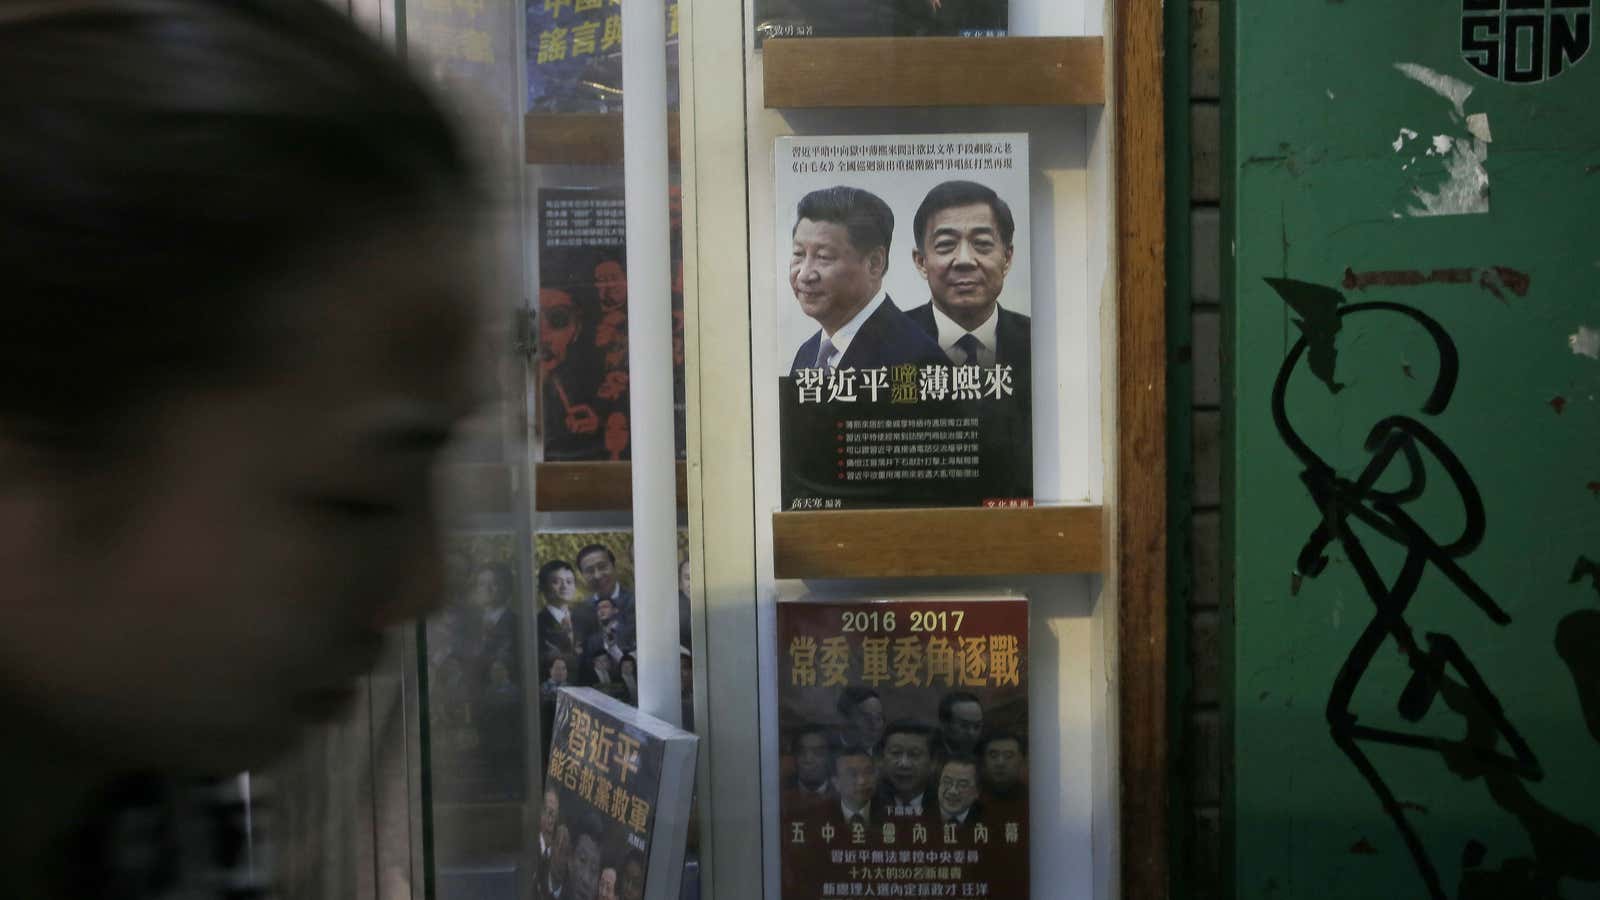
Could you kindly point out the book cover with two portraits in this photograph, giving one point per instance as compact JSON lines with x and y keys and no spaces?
{"x":904,"y":327}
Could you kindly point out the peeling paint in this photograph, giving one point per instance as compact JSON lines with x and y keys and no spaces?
{"x":1490,"y":278}
{"x":1330,"y":95}
{"x":1465,"y":191}
{"x":1453,"y":89}
{"x":1478,"y":125}
{"x":1585,"y":342}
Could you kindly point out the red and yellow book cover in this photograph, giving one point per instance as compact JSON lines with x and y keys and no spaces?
{"x":904,"y":729}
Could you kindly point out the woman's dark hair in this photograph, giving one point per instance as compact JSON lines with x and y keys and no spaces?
{"x":161,"y":161}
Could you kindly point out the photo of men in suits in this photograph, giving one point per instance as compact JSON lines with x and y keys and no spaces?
{"x":958,"y":793}
{"x":964,"y":233}
{"x":599,"y":567}
{"x":840,"y":252}
{"x":964,"y":250}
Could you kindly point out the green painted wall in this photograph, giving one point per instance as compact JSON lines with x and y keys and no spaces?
{"x":1414,"y":663}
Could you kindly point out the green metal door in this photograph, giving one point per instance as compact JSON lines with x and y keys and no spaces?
{"x":1412,"y":485}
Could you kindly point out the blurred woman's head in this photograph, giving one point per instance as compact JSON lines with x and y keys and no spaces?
{"x":236,"y":303}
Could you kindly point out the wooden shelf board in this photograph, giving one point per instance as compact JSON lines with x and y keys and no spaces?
{"x":584,"y":486}
{"x":582,"y":138}
{"x":803,"y":73}
{"x":884,"y":543}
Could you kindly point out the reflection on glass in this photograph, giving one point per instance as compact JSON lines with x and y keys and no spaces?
{"x":475,"y":676}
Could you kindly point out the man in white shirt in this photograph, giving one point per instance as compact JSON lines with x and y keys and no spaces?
{"x":958,"y":791}
{"x":906,"y":757}
{"x":564,"y":623}
{"x":964,"y":233}
{"x":599,"y":567}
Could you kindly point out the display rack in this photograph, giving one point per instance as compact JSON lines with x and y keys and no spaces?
{"x":802,"y":73}
{"x":591,"y":139}
{"x":1121,"y":539}
{"x":892,"y":543}
{"x":588,"y":486}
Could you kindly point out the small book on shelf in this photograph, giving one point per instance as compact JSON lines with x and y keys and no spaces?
{"x":618,"y":789}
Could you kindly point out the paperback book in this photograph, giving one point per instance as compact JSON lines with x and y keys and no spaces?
{"x":583,"y":325}
{"x":904,"y":730}
{"x":904,"y":358}
{"x":618,"y":789}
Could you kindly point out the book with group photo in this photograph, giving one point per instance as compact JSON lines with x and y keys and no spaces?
{"x":904,"y":301}
{"x":903,"y":727}
{"x":585,"y":619}
{"x":618,"y":788}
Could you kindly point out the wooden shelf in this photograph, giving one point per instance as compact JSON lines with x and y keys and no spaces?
{"x":584,"y":486}
{"x":806,"y":73}
{"x":582,"y":138}
{"x":885,"y":543}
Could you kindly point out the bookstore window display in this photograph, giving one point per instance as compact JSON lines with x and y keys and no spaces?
{"x":942,"y":336}
{"x":929,"y":394}
{"x":541,"y":640}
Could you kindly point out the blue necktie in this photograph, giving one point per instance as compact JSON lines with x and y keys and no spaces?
{"x":824,"y":352}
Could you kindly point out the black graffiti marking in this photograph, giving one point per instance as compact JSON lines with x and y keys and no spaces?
{"x":1561,"y":848}
{"x":1319,"y":322}
{"x":1578,"y":645}
{"x":1585,"y":567}
{"x":1398,"y":440}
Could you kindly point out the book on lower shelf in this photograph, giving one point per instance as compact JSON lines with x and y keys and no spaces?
{"x":618,"y":789}
{"x":904,"y":733}
{"x":904,"y":357}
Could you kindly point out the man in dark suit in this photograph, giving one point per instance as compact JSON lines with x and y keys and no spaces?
{"x":610,"y":637}
{"x":964,"y":235}
{"x":964,"y":232}
{"x":851,"y":804}
{"x":841,"y":251}
{"x":959,"y":810}
{"x":1002,"y":756}
{"x":906,"y":762}
{"x":813,"y":781}
{"x":599,"y":567}
{"x":848,"y":818}
{"x":564,"y":624}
